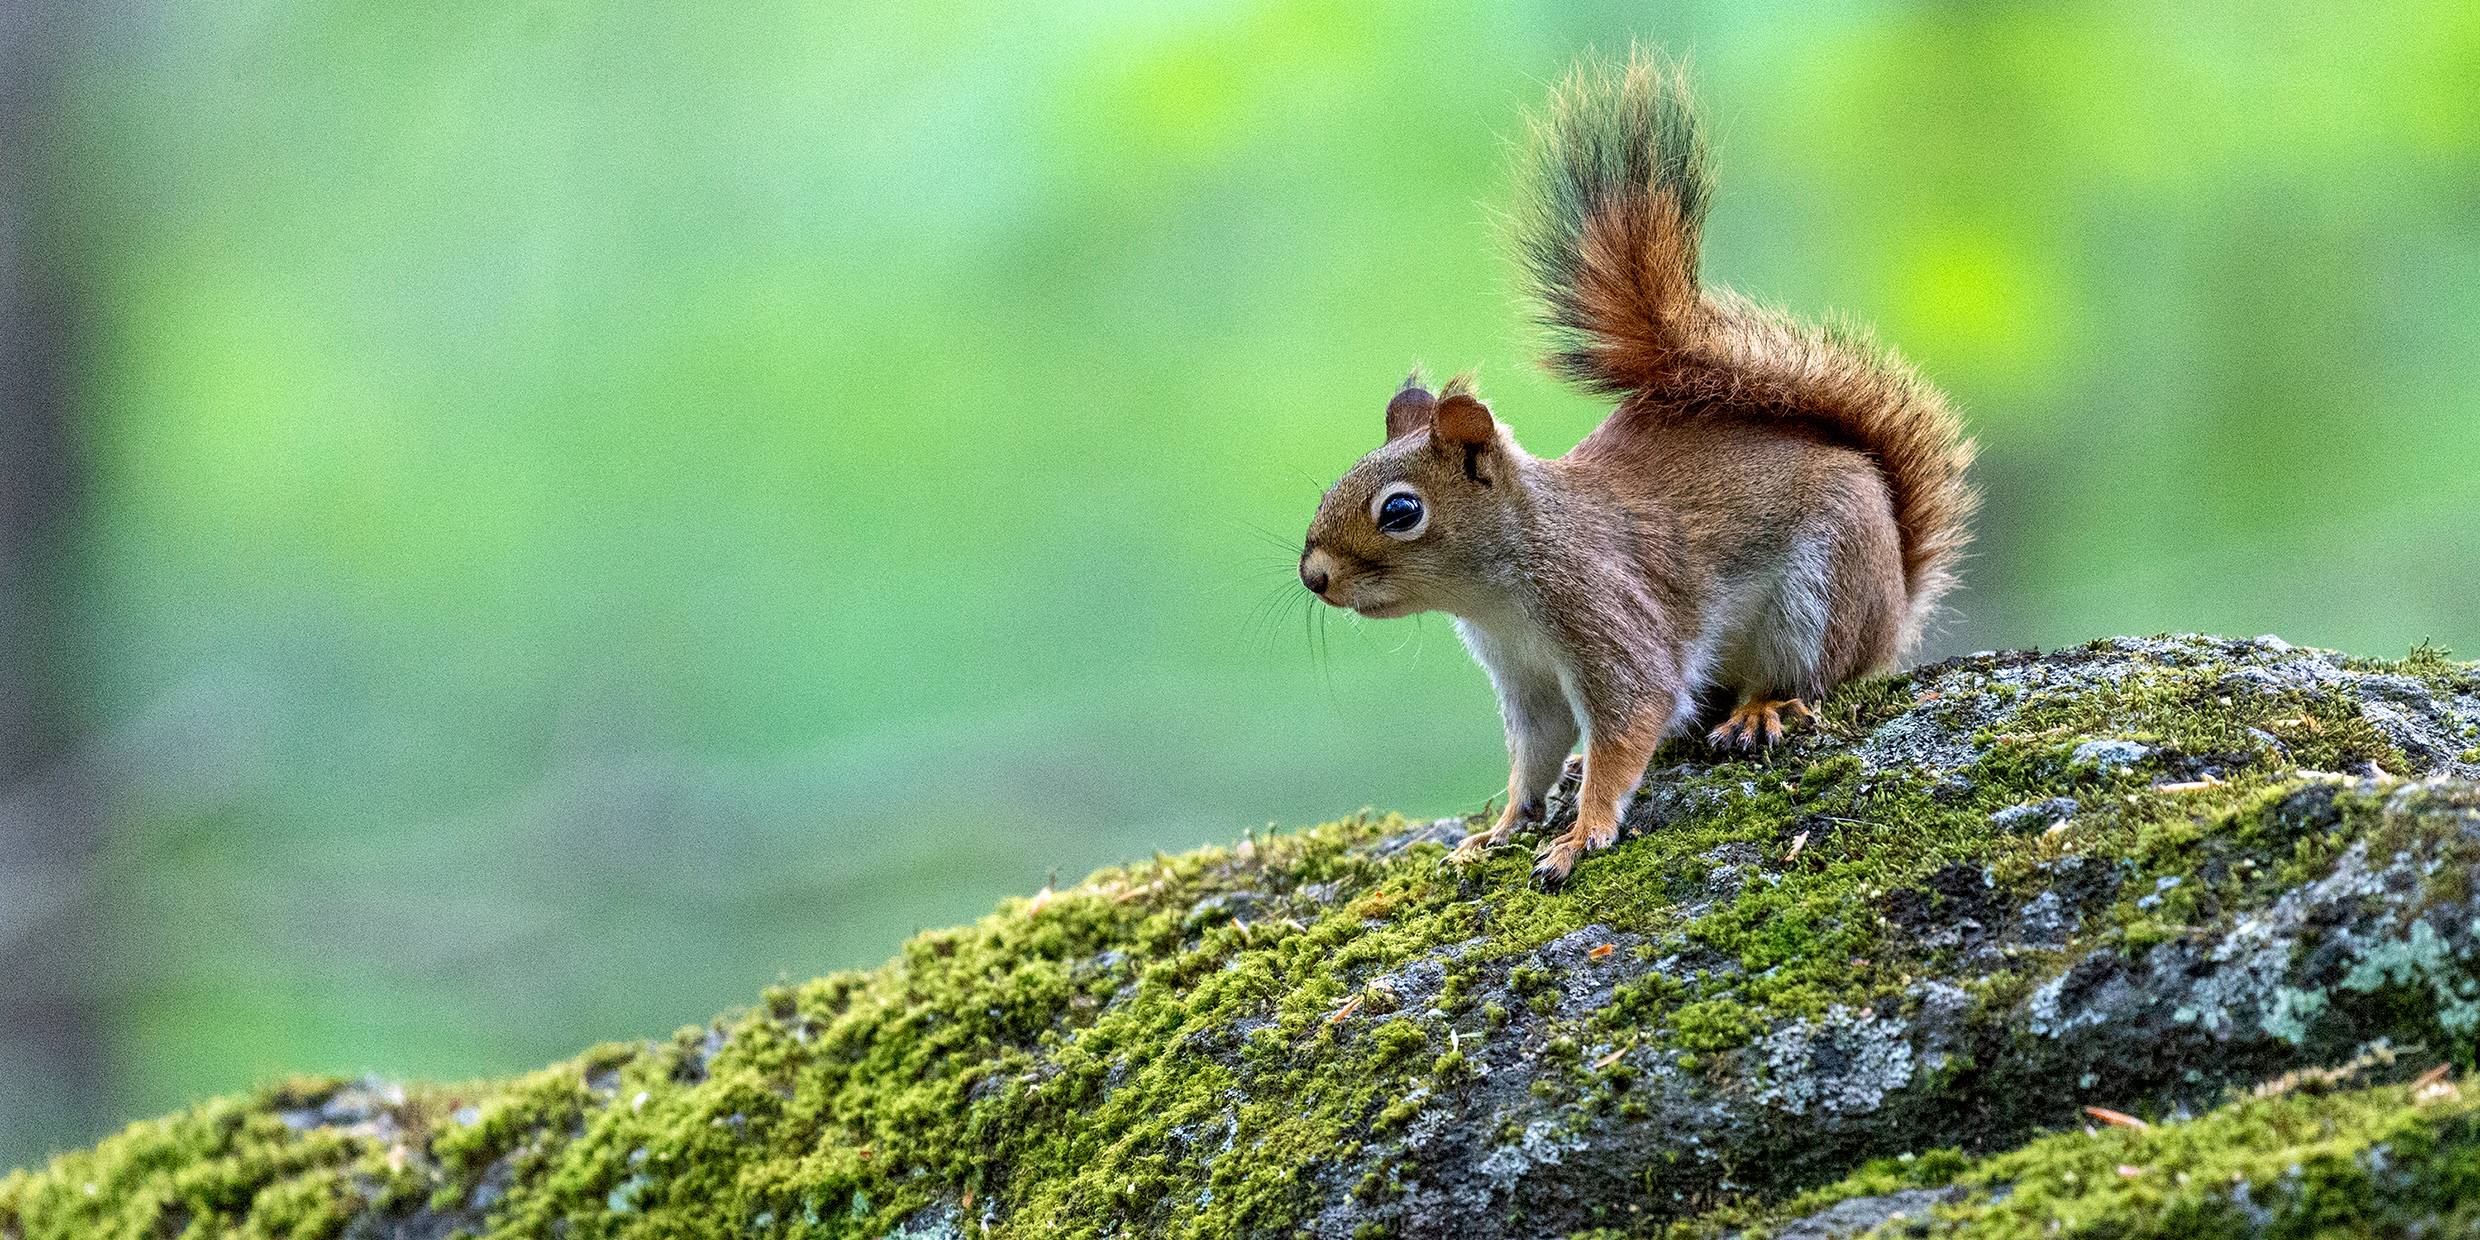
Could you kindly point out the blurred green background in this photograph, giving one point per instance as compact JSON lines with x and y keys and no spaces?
{"x":589,"y":506}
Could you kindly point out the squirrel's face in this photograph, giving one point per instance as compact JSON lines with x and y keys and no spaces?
{"x":1419,"y":524}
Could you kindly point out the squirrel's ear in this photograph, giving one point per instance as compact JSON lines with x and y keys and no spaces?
{"x":1411,"y":410}
{"x":1462,"y":422}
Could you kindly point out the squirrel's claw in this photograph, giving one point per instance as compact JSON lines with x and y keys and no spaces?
{"x":1477,"y":846}
{"x":1553,"y":861}
{"x":1756,"y":724}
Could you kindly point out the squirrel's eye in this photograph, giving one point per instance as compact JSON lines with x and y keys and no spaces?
{"x":1401,"y":513}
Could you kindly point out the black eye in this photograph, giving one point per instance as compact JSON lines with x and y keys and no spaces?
{"x":1399,"y":513}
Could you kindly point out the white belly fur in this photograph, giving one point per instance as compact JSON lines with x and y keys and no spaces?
{"x":1520,"y":654}
{"x":1758,"y":635}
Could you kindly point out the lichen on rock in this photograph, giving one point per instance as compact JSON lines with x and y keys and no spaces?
{"x":2142,"y":875}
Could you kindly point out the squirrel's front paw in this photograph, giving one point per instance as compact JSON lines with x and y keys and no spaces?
{"x":1477,"y":846}
{"x":1555,"y":859}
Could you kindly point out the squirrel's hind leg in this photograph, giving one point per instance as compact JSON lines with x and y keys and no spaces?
{"x":1829,"y":611}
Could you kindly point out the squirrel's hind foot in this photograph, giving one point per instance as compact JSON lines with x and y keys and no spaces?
{"x":1757,"y":723}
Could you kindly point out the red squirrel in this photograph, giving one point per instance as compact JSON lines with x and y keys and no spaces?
{"x":1771,"y":509}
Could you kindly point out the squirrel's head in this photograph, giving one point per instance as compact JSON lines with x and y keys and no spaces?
{"x":1423,"y":522}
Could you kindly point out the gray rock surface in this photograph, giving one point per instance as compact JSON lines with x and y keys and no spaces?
{"x":1845,"y":1220}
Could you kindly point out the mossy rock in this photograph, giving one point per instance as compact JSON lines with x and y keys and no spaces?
{"x":2145,"y":876}
{"x":2298,"y":1157}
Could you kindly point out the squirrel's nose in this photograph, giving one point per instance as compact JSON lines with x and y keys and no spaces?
{"x":1314,"y":578}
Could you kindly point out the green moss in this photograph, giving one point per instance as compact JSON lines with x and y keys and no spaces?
{"x":230,"y":1167}
{"x":2353,"y":1163}
{"x":1712,"y":1025}
{"x":1857,"y":707}
{"x":1395,"y":1041}
{"x":1008,"y":1059}
{"x":1185,"y":1046}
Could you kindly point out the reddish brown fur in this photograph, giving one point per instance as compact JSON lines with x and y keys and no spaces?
{"x":1716,"y":357}
{"x":1770,"y":510}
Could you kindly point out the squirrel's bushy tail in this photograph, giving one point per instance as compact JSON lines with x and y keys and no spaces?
{"x":1615,"y":186}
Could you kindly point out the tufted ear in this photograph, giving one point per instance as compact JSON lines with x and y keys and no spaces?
{"x":1463,"y":422}
{"x":1411,"y":410}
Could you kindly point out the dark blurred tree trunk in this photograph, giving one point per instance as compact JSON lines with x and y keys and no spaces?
{"x":52,"y":1066}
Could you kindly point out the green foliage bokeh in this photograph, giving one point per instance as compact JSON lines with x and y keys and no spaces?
{"x":603,"y":503}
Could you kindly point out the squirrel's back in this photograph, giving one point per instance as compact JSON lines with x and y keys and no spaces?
{"x":1616,"y":188}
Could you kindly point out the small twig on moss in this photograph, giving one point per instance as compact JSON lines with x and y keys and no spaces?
{"x":2120,"y":1118}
